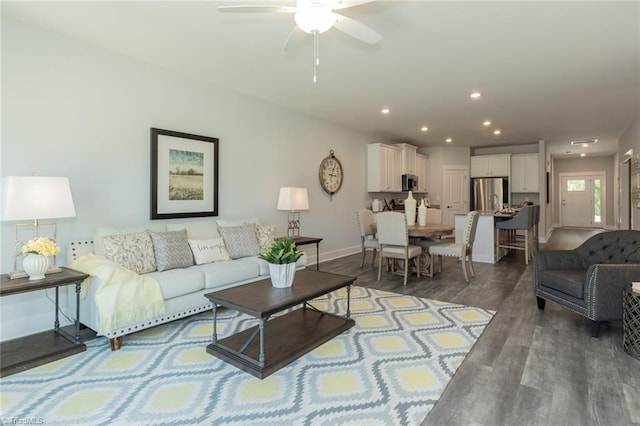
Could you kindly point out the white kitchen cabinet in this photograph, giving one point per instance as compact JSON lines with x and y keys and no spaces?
{"x":408,"y":158}
{"x":524,"y":173}
{"x":383,"y":168}
{"x":422,"y":171}
{"x":491,"y":165}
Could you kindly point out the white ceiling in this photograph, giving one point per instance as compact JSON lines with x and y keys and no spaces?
{"x":546,"y":70}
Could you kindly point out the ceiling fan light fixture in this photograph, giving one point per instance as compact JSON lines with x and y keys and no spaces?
{"x":315,"y":16}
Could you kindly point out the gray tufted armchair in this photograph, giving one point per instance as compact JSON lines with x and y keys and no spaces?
{"x":589,"y":279}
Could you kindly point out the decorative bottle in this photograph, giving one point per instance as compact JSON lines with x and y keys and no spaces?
{"x":410,"y":209}
{"x":422,"y":214}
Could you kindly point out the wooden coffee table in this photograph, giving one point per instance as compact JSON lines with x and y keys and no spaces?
{"x":276,"y":342}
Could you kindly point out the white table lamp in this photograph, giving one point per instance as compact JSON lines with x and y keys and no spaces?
{"x":34,"y":198}
{"x":294,"y":200}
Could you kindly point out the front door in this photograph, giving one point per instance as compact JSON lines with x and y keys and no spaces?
{"x":582,"y":200}
{"x":455,"y":193}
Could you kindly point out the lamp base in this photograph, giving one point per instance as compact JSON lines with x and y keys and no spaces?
{"x":293,"y":224}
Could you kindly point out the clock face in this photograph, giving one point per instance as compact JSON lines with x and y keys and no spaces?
{"x":331,"y":174}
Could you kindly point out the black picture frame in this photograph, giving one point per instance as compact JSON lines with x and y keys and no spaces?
{"x":548,"y":185}
{"x":184,"y":175}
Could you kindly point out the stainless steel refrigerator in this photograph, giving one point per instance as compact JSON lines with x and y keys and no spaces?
{"x":489,"y":194}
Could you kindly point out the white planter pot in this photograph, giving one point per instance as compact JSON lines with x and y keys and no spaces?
{"x":35,"y":265}
{"x":282,"y":275}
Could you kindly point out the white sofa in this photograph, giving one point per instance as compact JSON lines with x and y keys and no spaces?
{"x":183,"y":288}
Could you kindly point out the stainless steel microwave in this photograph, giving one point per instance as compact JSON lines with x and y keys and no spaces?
{"x":409,"y":182}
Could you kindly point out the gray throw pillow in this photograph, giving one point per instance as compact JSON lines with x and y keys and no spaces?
{"x":240,"y":241}
{"x":171,"y":249}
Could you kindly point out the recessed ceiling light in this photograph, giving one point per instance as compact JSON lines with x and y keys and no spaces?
{"x":448,"y":140}
{"x":475,"y":95}
{"x":584,"y":145}
{"x":424,"y":128}
{"x":487,"y":123}
{"x":584,"y":141}
{"x":583,"y":155}
{"x":497,"y":132}
{"x":385,"y":110}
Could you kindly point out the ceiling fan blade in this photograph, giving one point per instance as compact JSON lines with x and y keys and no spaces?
{"x":294,"y":40}
{"x":356,"y":29}
{"x":256,"y":9}
{"x":351,"y":3}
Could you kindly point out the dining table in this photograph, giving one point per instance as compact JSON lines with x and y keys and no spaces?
{"x":418,"y":232}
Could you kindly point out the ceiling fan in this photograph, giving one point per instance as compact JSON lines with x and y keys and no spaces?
{"x":315,"y":17}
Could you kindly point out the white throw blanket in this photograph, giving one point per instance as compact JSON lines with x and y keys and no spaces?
{"x":122,"y":297}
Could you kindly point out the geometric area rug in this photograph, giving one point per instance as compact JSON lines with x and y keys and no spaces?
{"x":389,"y":369}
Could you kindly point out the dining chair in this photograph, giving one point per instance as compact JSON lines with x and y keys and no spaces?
{"x":393,"y":237}
{"x":463,"y":250}
{"x":367,"y":235}
{"x":434,"y":215}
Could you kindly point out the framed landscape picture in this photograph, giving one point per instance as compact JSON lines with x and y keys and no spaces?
{"x":184,"y":175}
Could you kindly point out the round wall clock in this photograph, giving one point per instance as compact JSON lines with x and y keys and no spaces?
{"x":330,"y":174}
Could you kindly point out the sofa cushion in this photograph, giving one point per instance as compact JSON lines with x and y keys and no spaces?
{"x":178,"y":282}
{"x":171,"y":249}
{"x":567,"y":281}
{"x":266,"y":235}
{"x":132,"y":251}
{"x":207,"y":251}
{"x":222,"y":223}
{"x":197,"y":230}
{"x":227,"y":272}
{"x":240,"y":241}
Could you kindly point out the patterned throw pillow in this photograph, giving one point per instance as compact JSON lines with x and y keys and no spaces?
{"x":266,"y":235}
{"x":241,"y":241}
{"x":171,"y":249}
{"x":207,"y":251}
{"x":132,"y":251}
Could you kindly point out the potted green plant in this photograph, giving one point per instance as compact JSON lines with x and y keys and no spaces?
{"x":282,"y":257}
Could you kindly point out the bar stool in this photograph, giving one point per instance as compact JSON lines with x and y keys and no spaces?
{"x":507,"y":237}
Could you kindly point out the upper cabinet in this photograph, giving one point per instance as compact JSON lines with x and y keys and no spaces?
{"x":422,"y":171}
{"x":524,"y":173}
{"x":491,"y":165}
{"x":384,"y":168}
{"x":408,"y":159}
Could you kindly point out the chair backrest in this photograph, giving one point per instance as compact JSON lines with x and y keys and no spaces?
{"x":365,"y":220}
{"x":392,"y":229}
{"x":470,"y":228}
{"x":617,"y":247}
{"x":519,"y":221}
{"x":434,"y":215}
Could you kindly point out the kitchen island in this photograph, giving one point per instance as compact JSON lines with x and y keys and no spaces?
{"x":485,"y":245}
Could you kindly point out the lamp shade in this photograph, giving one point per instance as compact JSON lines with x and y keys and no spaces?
{"x":36,"y":197}
{"x":293,"y":199}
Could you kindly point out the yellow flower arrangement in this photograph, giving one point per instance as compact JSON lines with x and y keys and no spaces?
{"x":41,"y":245}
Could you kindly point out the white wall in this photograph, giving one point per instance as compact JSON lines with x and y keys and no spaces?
{"x":72,"y":110}
{"x":630,"y":140}
{"x":440,"y":157}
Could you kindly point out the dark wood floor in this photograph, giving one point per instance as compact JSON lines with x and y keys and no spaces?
{"x":529,"y":367}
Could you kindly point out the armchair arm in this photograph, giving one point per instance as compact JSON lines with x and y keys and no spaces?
{"x":603,"y":291}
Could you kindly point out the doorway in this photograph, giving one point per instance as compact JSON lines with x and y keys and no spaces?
{"x":582,"y":200}
{"x":455,"y":193}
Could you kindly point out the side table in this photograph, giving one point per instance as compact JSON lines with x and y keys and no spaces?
{"x":31,"y":351}
{"x":300,"y":241}
{"x":631,"y":321}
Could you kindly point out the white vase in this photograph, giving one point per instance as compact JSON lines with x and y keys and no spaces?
{"x":35,"y":265}
{"x":410,"y":209}
{"x":422,"y":214}
{"x":282,"y":274}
